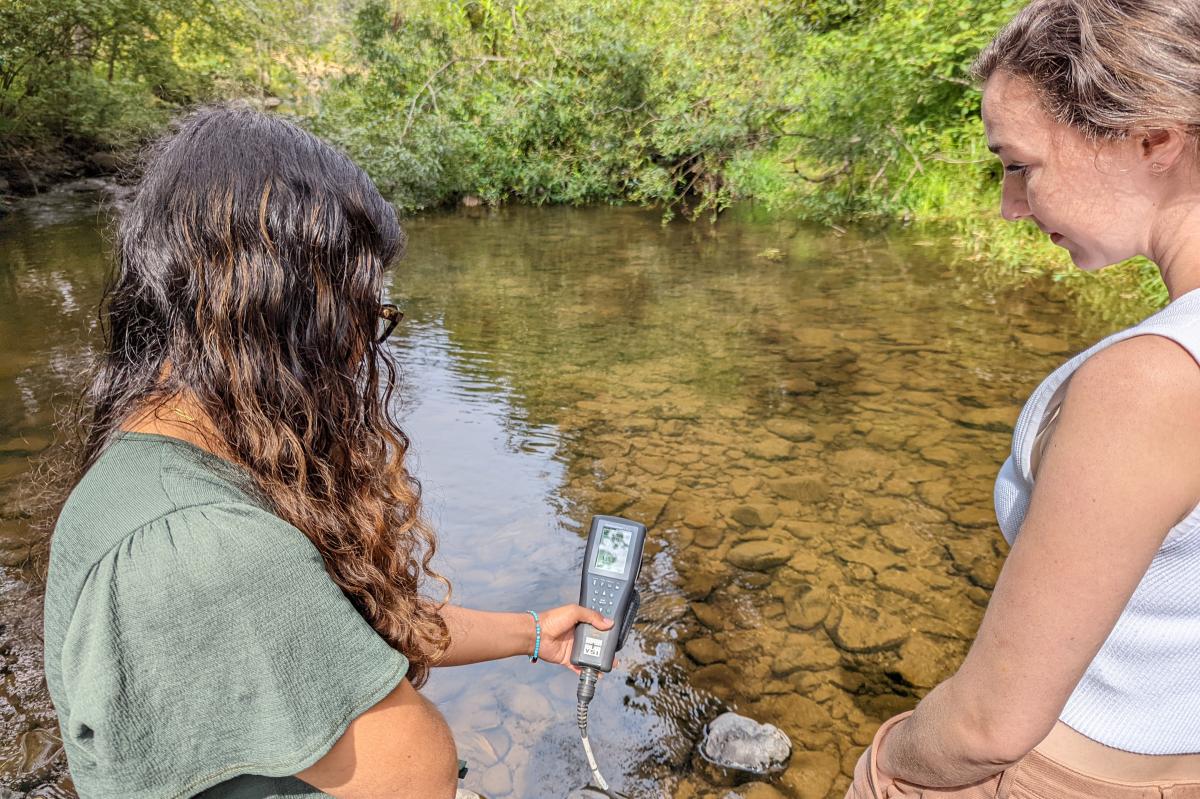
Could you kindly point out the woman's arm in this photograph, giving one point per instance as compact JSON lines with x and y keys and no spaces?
{"x":1121,"y":469}
{"x":480,"y":635}
{"x":400,"y":747}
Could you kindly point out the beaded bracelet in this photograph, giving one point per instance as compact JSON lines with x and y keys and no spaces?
{"x":537,"y":636}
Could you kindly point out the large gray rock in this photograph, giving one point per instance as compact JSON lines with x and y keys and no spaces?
{"x":736,"y":742}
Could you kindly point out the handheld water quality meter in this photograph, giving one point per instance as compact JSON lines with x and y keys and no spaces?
{"x":611,"y":565}
{"x":610,"y":568}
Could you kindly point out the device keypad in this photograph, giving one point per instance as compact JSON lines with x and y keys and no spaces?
{"x":604,"y":593}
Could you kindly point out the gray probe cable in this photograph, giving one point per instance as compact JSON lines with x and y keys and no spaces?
{"x":584,"y":694}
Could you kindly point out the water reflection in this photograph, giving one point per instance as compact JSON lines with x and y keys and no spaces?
{"x":809,"y":424}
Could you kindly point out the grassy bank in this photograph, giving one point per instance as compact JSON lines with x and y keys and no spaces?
{"x":828,"y":111}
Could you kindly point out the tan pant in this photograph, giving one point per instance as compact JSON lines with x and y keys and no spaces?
{"x":1035,"y":776}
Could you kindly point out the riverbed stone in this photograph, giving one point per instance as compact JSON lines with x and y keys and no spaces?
{"x":862,"y":461}
{"x":941,"y":455}
{"x":709,"y":537}
{"x":496,"y":780}
{"x":718,"y":679}
{"x":861,"y":628}
{"x":868,"y":556}
{"x":806,"y":607}
{"x":799,"y":386}
{"x":818,"y":659}
{"x":994,"y":420}
{"x":528,"y":703}
{"x":759,"y":555}
{"x":903,"y":581}
{"x":705,"y":651}
{"x":708,"y":615}
{"x":771,"y":448}
{"x":810,"y":775}
{"x":755,"y":515}
{"x":463,"y":793}
{"x":754,"y":790}
{"x":742,"y":486}
{"x":740,"y":743}
{"x":790,"y":429}
{"x":1041,"y":343}
{"x":974,"y":516}
{"x":15,"y":542}
{"x":801,"y":489}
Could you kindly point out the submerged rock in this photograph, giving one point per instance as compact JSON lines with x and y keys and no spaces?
{"x":736,"y":742}
{"x":760,"y":515}
{"x":758,"y":555}
{"x":867,"y":629}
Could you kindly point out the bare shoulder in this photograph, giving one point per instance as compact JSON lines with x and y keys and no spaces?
{"x":1131,"y":423}
{"x":1142,"y":374}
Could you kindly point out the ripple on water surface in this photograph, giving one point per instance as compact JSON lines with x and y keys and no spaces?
{"x":811,"y":437}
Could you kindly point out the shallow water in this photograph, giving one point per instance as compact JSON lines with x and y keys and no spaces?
{"x":809,"y":424}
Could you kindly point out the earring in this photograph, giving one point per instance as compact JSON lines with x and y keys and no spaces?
{"x":1156,"y":168}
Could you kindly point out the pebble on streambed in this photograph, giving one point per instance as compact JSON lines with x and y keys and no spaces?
{"x":735,"y":742}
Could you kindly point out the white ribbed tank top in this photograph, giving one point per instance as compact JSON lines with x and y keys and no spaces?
{"x":1141,"y":693}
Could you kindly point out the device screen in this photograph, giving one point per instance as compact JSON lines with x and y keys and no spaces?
{"x":612,"y":553}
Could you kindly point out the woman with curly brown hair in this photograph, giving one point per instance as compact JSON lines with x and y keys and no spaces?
{"x":234,"y":599}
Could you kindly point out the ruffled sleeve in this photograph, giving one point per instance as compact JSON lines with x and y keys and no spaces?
{"x":209,"y":644}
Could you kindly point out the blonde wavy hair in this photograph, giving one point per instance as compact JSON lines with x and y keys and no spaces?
{"x":1105,"y":67}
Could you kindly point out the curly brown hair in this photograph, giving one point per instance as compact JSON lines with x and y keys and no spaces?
{"x":248,"y":279}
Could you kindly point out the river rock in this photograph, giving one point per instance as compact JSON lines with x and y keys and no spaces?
{"x":816,"y":337}
{"x":801,"y":489}
{"x":799,"y":386}
{"x":861,"y":628}
{"x":705,"y":651}
{"x":709,"y":616}
{"x":759,"y":555}
{"x":496,"y":781}
{"x":791,"y":429}
{"x":862,"y":461}
{"x":741,"y":486}
{"x":39,"y":749}
{"x":463,"y":793}
{"x":941,"y":455}
{"x":1047,"y":345}
{"x":15,"y":542}
{"x":811,"y":775}
{"x":974,"y":516}
{"x":709,"y":537}
{"x":754,"y":790}
{"x":807,"y":607}
{"x":817,"y":654}
{"x":758,"y":515}
{"x":528,"y":703}
{"x":718,"y":679}
{"x":994,"y":420}
{"x":770,"y":449}
{"x":735,"y":742}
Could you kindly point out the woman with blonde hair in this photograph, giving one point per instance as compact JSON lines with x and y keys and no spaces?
{"x":234,"y":602}
{"x":1084,"y":677}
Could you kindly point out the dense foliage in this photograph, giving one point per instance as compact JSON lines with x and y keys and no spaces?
{"x":825,"y":110}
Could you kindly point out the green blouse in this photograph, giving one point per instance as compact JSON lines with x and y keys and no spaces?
{"x":195,"y":644}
